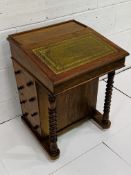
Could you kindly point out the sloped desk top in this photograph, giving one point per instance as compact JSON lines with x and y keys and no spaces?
{"x":70,"y":53}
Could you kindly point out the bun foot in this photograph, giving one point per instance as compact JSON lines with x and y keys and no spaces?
{"x":105,"y":124}
{"x":54,"y":151}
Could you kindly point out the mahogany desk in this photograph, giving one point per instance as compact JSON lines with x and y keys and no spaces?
{"x":57,"y":70}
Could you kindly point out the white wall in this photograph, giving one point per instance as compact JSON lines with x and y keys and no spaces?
{"x":110,"y":17}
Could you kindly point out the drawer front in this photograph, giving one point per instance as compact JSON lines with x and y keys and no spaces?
{"x":28,"y":96}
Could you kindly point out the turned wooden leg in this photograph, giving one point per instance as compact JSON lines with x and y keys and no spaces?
{"x":54,"y":150}
{"x":105,"y":120}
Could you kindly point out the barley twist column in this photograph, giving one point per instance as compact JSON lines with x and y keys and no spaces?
{"x":105,"y":121}
{"x":54,"y":150}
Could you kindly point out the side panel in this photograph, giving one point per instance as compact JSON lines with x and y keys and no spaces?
{"x":28,"y":97}
{"x":76,"y":104}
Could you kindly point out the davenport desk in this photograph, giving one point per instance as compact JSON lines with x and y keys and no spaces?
{"x":57,"y":70}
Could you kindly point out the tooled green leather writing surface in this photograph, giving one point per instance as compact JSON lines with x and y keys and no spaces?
{"x":71,"y":53}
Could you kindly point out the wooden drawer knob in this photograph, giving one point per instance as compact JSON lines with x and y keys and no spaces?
{"x":36,"y":127}
{"x":23,"y":101}
{"x":17,"y":72}
{"x":32,"y":99}
{"x":20,"y":87}
{"x":25,"y":114}
{"x":30,"y":83}
{"x":34,"y":114}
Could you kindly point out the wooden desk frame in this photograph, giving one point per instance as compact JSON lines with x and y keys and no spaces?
{"x":42,"y":90}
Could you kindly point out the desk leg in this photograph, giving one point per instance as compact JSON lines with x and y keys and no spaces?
{"x":54,"y":150}
{"x":105,"y":120}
